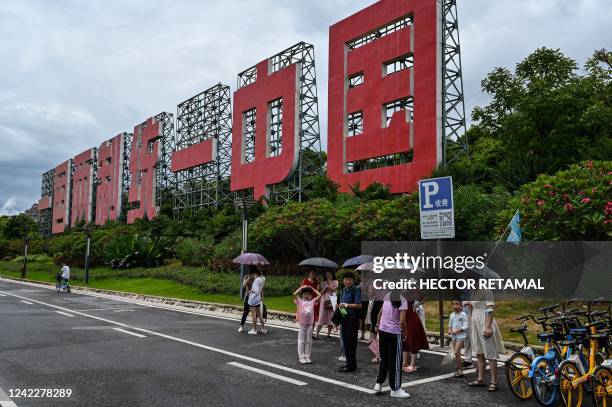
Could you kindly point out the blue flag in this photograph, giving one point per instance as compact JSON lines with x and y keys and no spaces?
{"x":515,"y":229}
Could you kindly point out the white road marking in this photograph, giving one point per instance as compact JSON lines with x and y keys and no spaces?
{"x":5,"y":400}
{"x":168,"y":308}
{"x":64,"y":313}
{"x":27,"y":302}
{"x":2,"y":295}
{"x":270,"y":374}
{"x":213,"y":349}
{"x":129,"y":333}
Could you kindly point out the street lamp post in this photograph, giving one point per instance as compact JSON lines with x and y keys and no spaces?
{"x":88,"y":230}
{"x":24,"y":269}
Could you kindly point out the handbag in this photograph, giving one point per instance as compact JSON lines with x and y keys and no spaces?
{"x":337,"y":317}
{"x":327,"y":304}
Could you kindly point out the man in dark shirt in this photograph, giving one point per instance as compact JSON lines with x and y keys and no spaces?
{"x":350,"y":300}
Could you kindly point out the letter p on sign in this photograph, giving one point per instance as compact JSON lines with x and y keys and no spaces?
{"x":430,"y":189}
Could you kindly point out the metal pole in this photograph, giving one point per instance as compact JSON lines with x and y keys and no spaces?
{"x":25,"y":259}
{"x":87,"y":258}
{"x":440,"y":301}
{"x":245,"y":229}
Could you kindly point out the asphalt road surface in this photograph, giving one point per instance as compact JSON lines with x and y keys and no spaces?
{"x":115,"y":353}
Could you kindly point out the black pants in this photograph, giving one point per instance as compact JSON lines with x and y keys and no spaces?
{"x":246,"y":310}
{"x":350,"y":330}
{"x":390,"y":348}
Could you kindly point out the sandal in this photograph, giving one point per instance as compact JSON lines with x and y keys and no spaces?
{"x":492,"y":387}
{"x":409,"y":369}
{"x":458,"y":374}
{"x":476,"y":383}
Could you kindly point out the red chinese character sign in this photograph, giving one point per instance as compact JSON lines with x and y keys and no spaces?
{"x":152,"y":146}
{"x":61,"y":197}
{"x":275,"y":120}
{"x":202,"y":161}
{"x":110,"y":179}
{"x":384,"y":115}
{"x":83,"y":186}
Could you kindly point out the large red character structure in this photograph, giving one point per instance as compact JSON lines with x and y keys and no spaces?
{"x":111,"y":178}
{"x":275,"y":121}
{"x":384,"y":104}
{"x":61,"y":197}
{"x":83,"y":177}
{"x":202,"y":161}
{"x":151,"y":148}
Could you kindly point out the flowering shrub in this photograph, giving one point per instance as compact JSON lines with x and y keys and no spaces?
{"x":575,"y":204}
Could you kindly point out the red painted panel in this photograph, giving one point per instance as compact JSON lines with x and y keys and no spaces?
{"x":423,"y":134}
{"x":264,"y":171}
{"x":193,"y":156}
{"x":61,"y":197}
{"x":45,"y":202}
{"x":82,"y":186}
{"x":144,"y":158}
{"x":110,"y":179}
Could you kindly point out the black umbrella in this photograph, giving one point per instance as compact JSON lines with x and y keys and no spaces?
{"x":318,"y":262}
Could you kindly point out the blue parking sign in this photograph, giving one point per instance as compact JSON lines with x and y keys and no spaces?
{"x":436,"y":208}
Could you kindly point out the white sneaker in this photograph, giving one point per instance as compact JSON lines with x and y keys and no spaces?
{"x":342,"y":358}
{"x":241,"y":329}
{"x":400,"y":393}
{"x":264,"y":331}
{"x":378,"y":387}
{"x":252,"y":332}
{"x":308,"y":360}
{"x":302,"y":360}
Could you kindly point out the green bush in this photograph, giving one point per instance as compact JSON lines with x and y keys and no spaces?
{"x":476,"y":212}
{"x":571,"y":205}
{"x":194,"y":252}
{"x":132,"y":251}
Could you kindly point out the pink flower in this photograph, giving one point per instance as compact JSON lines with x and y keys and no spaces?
{"x":551,"y":193}
{"x":569,"y":207}
{"x":585,"y":200}
{"x":547,"y":186}
{"x":540,"y":202}
{"x":608,"y":208}
{"x":589,"y":164}
{"x":581,"y":193}
{"x":607,"y":221}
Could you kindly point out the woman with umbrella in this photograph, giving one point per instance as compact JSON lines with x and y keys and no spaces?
{"x":329,"y":286}
{"x":254,"y":293}
{"x":312,"y":281}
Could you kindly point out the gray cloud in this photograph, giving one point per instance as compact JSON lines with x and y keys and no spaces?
{"x":75,"y":73}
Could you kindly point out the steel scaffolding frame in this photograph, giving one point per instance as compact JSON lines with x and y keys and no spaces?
{"x":454,"y":139}
{"x":203,"y":117}
{"x":46,"y":191}
{"x":302,"y":54}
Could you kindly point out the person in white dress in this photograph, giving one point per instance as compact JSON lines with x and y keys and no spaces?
{"x":485,"y":337}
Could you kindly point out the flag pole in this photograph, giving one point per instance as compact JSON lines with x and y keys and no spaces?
{"x":501,"y":236}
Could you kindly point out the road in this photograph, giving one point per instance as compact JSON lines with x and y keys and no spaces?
{"x":116,"y":353}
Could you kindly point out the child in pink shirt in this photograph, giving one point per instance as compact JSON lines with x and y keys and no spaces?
{"x":305,"y":301}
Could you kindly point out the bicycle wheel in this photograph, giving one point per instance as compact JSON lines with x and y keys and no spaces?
{"x":602,"y":386}
{"x":544,"y":383}
{"x":571,"y":394}
{"x":517,"y":374}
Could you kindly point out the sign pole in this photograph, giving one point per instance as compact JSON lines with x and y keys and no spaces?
{"x":245,"y":231}
{"x":440,"y":301}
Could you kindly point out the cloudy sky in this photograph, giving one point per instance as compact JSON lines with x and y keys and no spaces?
{"x":73,"y":73}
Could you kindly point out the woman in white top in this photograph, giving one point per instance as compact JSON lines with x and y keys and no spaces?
{"x":485,"y":338}
{"x":255,"y":301}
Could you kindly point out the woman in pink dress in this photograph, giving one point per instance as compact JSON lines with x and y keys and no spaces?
{"x":328,"y":288}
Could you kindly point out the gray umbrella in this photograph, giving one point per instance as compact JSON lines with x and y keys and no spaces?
{"x":318,"y":262}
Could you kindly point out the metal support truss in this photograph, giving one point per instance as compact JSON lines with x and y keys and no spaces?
{"x":310,"y":161}
{"x":454,"y":139}
{"x":45,"y":218}
{"x":204,"y":117}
